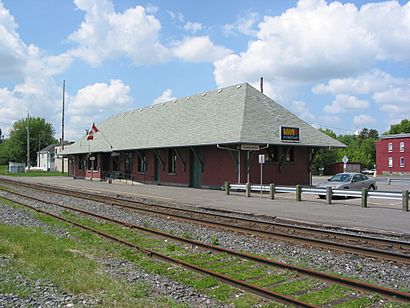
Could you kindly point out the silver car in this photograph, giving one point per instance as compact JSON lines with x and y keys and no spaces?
{"x":354,"y":181}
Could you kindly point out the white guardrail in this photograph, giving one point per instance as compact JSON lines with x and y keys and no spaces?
{"x":328,"y":192}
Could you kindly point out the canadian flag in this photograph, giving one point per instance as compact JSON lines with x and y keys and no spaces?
{"x":90,"y":135}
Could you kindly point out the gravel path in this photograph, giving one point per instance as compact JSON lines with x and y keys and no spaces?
{"x":383,"y":273}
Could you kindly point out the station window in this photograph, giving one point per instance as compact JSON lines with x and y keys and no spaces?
{"x":402,"y":161}
{"x":80,"y":164}
{"x":290,"y":155}
{"x":272,"y":155}
{"x":115,"y":163}
{"x":390,"y":147}
{"x":141,"y":164}
{"x":390,"y":162}
{"x":401,"y":146}
{"x":172,"y":161}
{"x":128,"y":162}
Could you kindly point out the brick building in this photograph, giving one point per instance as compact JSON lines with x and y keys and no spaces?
{"x":202,"y":141}
{"x":393,"y":155}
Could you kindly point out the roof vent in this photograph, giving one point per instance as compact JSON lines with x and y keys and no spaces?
{"x":152,"y":106}
{"x":238,"y":86}
{"x":203,"y":94}
{"x":141,"y":109}
{"x":162,"y":104}
{"x":174,"y":101}
{"x":219,"y":90}
{"x":188,"y":98}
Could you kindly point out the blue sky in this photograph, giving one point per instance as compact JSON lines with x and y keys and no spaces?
{"x":342,"y":65}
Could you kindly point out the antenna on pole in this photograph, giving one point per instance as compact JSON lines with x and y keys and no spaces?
{"x":28,"y":142}
{"x":62,"y":129}
{"x":261,"y":84}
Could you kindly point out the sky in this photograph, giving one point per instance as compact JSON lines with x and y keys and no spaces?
{"x":342,"y":65}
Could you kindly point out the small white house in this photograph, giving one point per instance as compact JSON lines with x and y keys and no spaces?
{"x":49,"y":160}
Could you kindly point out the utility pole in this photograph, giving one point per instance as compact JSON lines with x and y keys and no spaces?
{"x":62,"y":129}
{"x":28,"y":142}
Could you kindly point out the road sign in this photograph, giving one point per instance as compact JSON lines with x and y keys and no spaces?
{"x":261,"y":158}
{"x":345,"y":159}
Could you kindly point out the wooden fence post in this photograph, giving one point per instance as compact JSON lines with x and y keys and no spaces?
{"x":405,"y":199}
{"x":329,"y":194}
{"x":298,"y":193}
{"x":248,"y":189}
{"x":364,"y":197}
{"x":227,"y":188}
{"x":272,"y":191}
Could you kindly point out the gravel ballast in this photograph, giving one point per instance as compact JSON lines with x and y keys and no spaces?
{"x":384,"y":273}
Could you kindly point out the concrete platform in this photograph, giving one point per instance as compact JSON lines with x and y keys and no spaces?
{"x":381,"y":215}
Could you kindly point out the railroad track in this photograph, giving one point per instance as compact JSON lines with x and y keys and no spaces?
{"x":256,"y":269}
{"x":369,"y":246}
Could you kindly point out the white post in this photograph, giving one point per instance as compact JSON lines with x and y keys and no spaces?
{"x":261,"y":162}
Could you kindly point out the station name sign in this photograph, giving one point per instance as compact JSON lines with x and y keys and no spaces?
{"x":249,"y":147}
{"x":290,"y":134}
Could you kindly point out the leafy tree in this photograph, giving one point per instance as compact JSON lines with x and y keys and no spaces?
{"x":402,"y":127}
{"x":324,"y":157}
{"x":360,"y":148}
{"x":15,"y":147}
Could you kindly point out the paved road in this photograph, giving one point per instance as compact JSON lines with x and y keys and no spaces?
{"x":383,"y":215}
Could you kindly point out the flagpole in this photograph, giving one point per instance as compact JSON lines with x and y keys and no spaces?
{"x":106,"y":139}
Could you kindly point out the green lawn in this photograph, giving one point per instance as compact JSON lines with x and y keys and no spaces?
{"x":4,"y":171}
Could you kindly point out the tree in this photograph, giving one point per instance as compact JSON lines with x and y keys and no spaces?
{"x":360,"y":148}
{"x":41,"y":135}
{"x":324,"y":157}
{"x":402,"y":127}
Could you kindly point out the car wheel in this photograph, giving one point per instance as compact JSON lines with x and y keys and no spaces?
{"x":371,"y":187}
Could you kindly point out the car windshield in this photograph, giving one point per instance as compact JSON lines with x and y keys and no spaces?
{"x":341,"y":178}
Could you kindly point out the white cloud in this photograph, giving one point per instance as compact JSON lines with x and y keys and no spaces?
{"x":367,"y":83}
{"x":193,"y":26}
{"x":330,"y":119}
{"x":199,"y":49}
{"x":363,"y":119}
{"x":100,"y":97}
{"x":164,"y":97}
{"x":345,"y":103}
{"x":107,"y":34}
{"x":389,"y":23}
{"x":243,"y":25}
{"x":319,"y":40}
{"x":151,"y":9}
{"x":176,"y":16}
{"x":395,"y":96}
{"x":94,"y":103}
{"x":302,"y":111}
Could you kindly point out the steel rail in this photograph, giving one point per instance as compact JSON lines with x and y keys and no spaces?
{"x":377,"y":253}
{"x":226,"y":279}
{"x":96,"y":197}
{"x":309,"y":272}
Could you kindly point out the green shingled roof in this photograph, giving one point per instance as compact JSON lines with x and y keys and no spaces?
{"x":236,"y":114}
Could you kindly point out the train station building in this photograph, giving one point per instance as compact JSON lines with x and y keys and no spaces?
{"x":202,"y":141}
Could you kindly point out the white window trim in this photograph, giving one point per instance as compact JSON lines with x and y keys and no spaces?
{"x":404,"y":162}
{"x":390,"y":162}
{"x":402,"y":147}
{"x":390,"y":147}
